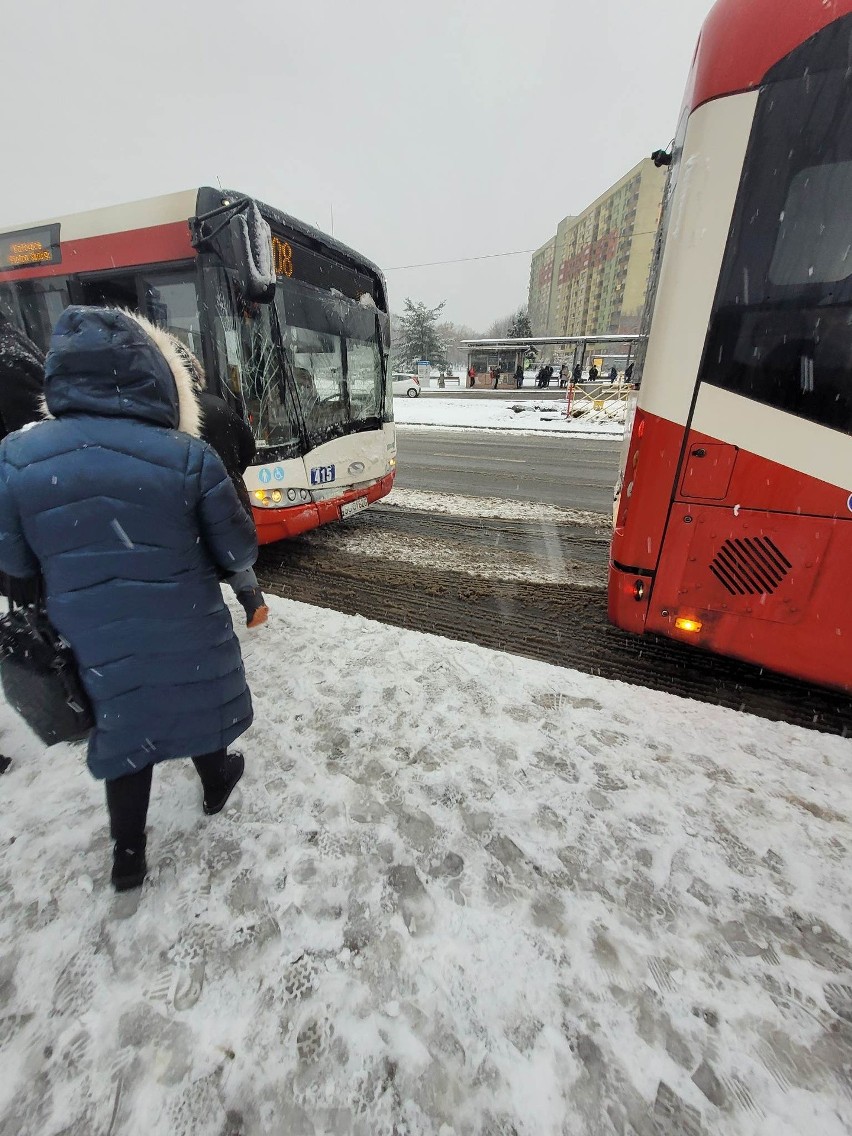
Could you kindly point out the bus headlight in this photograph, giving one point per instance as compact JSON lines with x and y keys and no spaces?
{"x":274,"y":498}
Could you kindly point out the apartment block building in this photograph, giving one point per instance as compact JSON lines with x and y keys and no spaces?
{"x":591,"y":277}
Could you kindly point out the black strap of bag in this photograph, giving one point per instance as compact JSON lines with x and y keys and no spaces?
{"x":38,"y":672}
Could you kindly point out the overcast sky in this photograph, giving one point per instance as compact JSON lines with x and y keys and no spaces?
{"x":434,"y":129}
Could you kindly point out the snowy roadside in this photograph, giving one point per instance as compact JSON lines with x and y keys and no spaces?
{"x":433,"y":542}
{"x":459,"y":505}
{"x":459,"y":893}
{"x":531,"y":417}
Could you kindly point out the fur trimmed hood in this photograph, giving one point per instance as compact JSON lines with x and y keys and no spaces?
{"x":190,"y":411}
{"x":116,"y":363}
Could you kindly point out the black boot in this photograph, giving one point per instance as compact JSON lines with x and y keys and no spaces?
{"x":216,"y":796}
{"x":128,"y":866}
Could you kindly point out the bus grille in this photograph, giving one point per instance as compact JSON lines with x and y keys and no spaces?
{"x":753,"y":566}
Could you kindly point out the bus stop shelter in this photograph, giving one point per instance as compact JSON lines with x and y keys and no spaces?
{"x":507,"y":354}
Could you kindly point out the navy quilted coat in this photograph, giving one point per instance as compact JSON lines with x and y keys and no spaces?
{"x":130,"y":521}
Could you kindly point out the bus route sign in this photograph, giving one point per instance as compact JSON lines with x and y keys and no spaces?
{"x":30,"y":248}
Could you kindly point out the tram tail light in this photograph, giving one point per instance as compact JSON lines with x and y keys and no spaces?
{"x":682,"y":623}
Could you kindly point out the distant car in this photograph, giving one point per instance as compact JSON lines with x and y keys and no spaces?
{"x":407,"y":385}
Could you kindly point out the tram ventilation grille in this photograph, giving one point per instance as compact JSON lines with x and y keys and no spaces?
{"x":750,"y":566}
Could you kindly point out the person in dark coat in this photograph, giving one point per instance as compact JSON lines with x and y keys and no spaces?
{"x":613,"y":375}
{"x":594,"y":373}
{"x":233,"y":441}
{"x":577,"y":373}
{"x":21,"y":392}
{"x":21,"y":378}
{"x":131,"y":520}
{"x":519,"y":376}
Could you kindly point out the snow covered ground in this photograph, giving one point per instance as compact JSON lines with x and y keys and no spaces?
{"x":496,"y":414}
{"x":459,"y":892}
{"x":459,"y":505}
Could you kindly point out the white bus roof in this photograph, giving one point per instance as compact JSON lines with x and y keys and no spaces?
{"x":144,"y":214}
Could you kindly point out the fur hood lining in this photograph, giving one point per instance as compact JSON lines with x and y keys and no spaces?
{"x":190,"y":411}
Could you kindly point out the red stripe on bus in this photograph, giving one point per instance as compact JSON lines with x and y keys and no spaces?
{"x":155,"y":245}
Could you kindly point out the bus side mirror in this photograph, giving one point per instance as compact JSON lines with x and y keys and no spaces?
{"x":251,"y":255}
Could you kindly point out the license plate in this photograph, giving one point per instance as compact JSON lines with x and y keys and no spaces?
{"x":355,"y":506}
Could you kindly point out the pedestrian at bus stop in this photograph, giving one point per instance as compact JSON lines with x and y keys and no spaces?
{"x":495,"y":375}
{"x":21,"y":378}
{"x":21,"y":392}
{"x":519,"y":376}
{"x":131,"y":519}
{"x":577,"y":373}
{"x":229,"y":435}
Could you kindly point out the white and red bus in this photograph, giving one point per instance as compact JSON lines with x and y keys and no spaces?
{"x":733,"y":520}
{"x":291,"y":325}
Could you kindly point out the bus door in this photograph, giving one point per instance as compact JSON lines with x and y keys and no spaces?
{"x":167,"y":297}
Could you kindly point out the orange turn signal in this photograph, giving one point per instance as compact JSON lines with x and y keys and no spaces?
{"x":692,"y":625}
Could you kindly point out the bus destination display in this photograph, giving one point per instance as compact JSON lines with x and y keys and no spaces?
{"x":30,"y":248}
{"x":294,"y":261}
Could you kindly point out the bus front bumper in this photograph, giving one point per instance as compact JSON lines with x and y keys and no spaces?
{"x":281,"y":524}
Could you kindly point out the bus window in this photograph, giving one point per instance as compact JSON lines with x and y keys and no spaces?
{"x":364,"y":375}
{"x":110,"y":291}
{"x":171,"y":301}
{"x":255,"y":360}
{"x":35,"y":306}
{"x":318,"y":365}
{"x":337,"y":341}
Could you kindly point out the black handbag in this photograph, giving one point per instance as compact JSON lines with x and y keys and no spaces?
{"x":40,"y":677}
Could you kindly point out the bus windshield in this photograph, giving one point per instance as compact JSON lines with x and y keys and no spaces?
{"x":328,"y":380}
{"x":333,"y":348}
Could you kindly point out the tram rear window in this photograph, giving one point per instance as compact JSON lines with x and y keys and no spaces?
{"x":781,"y":328}
{"x":815,"y":230}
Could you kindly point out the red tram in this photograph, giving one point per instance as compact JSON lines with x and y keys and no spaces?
{"x":733,"y":516}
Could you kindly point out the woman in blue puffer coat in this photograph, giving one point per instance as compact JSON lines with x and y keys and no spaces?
{"x":130,"y":519}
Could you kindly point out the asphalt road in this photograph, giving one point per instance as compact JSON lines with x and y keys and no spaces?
{"x":502,"y":393}
{"x":529,"y":391}
{"x":575,"y":473}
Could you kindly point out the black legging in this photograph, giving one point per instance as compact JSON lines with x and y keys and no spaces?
{"x":128,"y":796}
